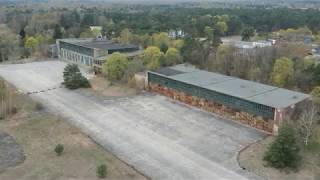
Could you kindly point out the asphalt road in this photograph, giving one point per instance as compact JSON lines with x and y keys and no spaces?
{"x":159,"y":137}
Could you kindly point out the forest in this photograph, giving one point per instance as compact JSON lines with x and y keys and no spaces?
{"x":27,"y":32}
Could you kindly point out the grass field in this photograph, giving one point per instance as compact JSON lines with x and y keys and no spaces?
{"x":38,"y":132}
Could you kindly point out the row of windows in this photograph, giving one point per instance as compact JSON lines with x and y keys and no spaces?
{"x":123,"y":50}
{"x":76,"y":58}
{"x":230,"y":101}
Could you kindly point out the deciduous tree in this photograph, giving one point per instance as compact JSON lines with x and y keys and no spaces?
{"x":209,"y":33}
{"x":115,"y":66}
{"x":161,"y":39}
{"x":151,"y":57}
{"x":8,"y":42}
{"x":31,"y":43}
{"x":247,"y":33}
{"x":316,"y":92}
{"x":172,"y":57}
{"x":126,"y":36}
{"x":282,"y":71}
{"x":308,"y":120}
{"x":178,"y":44}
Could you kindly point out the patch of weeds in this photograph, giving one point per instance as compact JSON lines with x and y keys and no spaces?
{"x":313,"y":146}
{"x":38,"y":106}
{"x":102,"y":171}
{"x":59,"y":149}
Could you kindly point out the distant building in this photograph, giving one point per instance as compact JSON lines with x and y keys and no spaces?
{"x":92,"y":52}
{"x":96,"y":28}
{"x":174,"y":34}
{"x":307,"y":39}
{"x":315,"y":53}
{"x":230,"y":39}
{"x":273,"y":41}
{"x":238,"y":43}
{"x":251,"y":45}
{"x":258,"y":105}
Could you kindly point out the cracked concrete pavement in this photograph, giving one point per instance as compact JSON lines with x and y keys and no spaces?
{"x":161,"y":138}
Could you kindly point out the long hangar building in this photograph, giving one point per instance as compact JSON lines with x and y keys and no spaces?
{"x":92,"y":52}
{"x":258,"y":105}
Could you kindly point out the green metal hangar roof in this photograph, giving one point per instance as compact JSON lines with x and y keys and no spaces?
{"x":270,"y":96}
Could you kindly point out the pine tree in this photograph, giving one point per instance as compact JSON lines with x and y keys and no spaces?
{"x":73,"y":79}
{"x":284,"y":151}
{"x":57,"y":32}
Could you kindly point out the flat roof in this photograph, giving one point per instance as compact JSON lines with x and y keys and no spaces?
{"x":128,"y":54}
{"x":201,"y":78}
{"x":99,"y":44}
{"x":252,"y":91}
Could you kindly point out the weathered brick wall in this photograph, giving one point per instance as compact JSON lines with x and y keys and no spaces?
{"x":221,"y":110}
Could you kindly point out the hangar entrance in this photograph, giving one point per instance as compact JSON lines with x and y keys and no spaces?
{"x":219,"y":109}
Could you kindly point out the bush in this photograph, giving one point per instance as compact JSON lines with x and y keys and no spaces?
{"x":102,"y":171}
{"x":14,"y":110}
{"x":73,"y":79}
{"x":77,"y":81}
{"x":38,"y":106}
{"x":163,"y":47}
{"x":59,"y":149}
{"x":284,"y":151}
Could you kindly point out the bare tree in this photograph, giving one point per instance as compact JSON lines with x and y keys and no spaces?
{"x":6,"y":103}
{"x":308,"y":120}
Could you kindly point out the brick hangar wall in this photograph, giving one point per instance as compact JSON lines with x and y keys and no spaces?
{"x":221,"y":110}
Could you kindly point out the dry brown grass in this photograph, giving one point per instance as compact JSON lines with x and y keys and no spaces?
{"x":251,"y":159}
{"x":104,"y":87}
{"x":39,"y":132}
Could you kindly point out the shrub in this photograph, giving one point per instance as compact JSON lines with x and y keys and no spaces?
{"x":284,"y":151}
{"x":102,"y":171}
{"x":73,"y":79}
{"x":59,"y":149}
{"x":77,"y":81}
{"x":69,"y":70}
{"x":38,"y":106}
{"x":163,"y":47}
{"x":14,"y":110}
